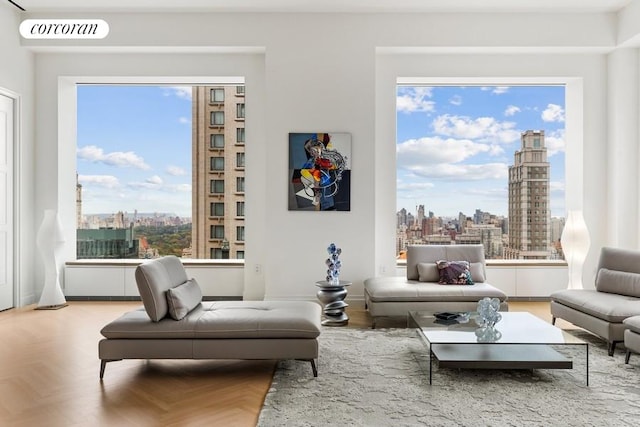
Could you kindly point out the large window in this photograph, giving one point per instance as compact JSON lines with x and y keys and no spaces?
{"x":481,"y":165}
{"x":141,"y":150}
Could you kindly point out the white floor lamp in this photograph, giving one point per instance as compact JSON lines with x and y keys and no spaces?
{"x":575,"y":245}
{"x":50,"y":241}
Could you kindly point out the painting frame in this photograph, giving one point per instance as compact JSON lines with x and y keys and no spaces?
{"x":319,"y":171}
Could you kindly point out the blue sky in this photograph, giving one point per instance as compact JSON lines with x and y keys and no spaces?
{"x":455,"y":145}
{"x":134,"y":149}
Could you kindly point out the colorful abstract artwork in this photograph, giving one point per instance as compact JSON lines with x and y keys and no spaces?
{"x":319,"y":171}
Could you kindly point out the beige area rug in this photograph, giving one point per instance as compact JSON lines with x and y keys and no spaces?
{"x":380,"y":378}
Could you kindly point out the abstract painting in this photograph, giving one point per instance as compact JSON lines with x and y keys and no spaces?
{"x":320,"y":171}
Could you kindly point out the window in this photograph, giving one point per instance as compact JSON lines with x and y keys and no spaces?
{"x":217,"y":231}
{"x":239,"y":160}
{"x":217,"y":164}
{"x":217,"y":95}
{"x":217,"y":140}
{"x":217,"y":186}
{"x":217,"y":209}
{"x":240,"y":254}
{"x":159,"y":191}
{"x":239,"y":208}
{"x":240,"y":233}
{"x":240,"y":184}
{"x":217,"y":118}
{"x":499,"y":149}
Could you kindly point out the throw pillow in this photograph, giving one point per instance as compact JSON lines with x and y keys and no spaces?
{"x":428,"y":272}
{"x":183,"y":298}
{"x":454,"y":273}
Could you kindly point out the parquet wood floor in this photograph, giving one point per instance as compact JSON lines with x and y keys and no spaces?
{"x":49,"y":375}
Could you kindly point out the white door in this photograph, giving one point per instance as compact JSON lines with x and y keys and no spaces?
{"x":6,"y":202}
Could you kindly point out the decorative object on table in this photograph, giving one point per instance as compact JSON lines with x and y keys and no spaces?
{"x":332,"y":298}
{"x":575,"y":246}
{"x":333,"y":264}
{"x":319,"y":171}
{"x":50,"y":241}
{"x":488,"y":314}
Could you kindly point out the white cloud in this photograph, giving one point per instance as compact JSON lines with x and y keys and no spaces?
{"x":556,"y":186}
{"x":554,"y":145}
{"x":107,"y":181}
{"x":511,"y":110}
{"x":184,"y":120}
{"x":175,"y":170}
{"x":462,"y":172}
{"x":430,"y":151}
{"x":414,"y":99}
{"x":496,"y":90}
{"x":486,"y":129}
{"x":179,"y":188}
{"x":122,"y":159}
{"x":183,"y":92}
{"x":456,"y":100}
{"x":553,"y":113}
{"x":495,"y":150}
{"x":412,"y":186}
{"x":155,"y":179}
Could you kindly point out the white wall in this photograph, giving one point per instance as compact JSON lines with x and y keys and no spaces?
{"x":16,"y":76}
{"x":332,"y":72}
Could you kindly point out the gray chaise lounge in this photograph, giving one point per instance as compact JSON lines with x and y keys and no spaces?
{"x":211,"y":330}
{"x":396,"y":296}
{"x":615,"y":298}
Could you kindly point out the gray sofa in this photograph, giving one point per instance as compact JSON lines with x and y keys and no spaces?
{"x":615,"y":298}
{"x":420,"y":290}
{"x":207,"y":330}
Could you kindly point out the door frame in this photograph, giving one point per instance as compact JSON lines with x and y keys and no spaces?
{"x":17,"y":193}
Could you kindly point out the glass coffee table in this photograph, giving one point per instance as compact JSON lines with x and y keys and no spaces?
{"x":526,"y":342}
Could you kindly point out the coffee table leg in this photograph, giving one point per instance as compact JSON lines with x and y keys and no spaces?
{"x":430,"y":364}
{"x":587,"y":350}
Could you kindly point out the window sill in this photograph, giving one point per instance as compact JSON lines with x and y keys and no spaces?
{"x":135,"y":262}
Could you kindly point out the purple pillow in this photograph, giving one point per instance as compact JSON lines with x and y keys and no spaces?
{"x":454,"y":273}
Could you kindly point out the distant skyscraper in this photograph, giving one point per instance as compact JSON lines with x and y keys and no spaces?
{"x":529,"y":214}
{"x":218,"y":171}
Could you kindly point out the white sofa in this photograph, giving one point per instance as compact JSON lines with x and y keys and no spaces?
{"x":615,"y":298}
{"x":208,"y":330}
{"x":396,"y":296}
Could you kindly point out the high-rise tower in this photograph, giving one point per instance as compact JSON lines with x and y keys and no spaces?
{"x":218,"y":172}
{"x":529,"y":213}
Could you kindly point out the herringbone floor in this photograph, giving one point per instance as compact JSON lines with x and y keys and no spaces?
{"x":49,"y":375}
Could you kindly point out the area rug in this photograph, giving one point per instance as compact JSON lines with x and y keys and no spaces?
{"x":380,"y":378}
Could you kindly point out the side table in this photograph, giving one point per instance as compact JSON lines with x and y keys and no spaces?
{"x":332,"y":297}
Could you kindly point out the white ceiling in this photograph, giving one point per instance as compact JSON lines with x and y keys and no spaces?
{"x":346,"y":6}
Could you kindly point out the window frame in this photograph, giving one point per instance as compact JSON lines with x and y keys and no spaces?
{"x":574,"y":161}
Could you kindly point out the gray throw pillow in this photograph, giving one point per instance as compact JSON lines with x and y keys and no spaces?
{"x":428,"y":272}
{"x":183,"y":298}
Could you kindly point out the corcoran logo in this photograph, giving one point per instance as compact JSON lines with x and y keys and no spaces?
{"x":64,"y":29}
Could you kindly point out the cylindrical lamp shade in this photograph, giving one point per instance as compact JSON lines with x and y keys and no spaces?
{"x":575,"y":245}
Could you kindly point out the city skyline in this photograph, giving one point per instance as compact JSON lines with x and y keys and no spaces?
{"x":134,"y":149}
{"x":455,"y":145}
